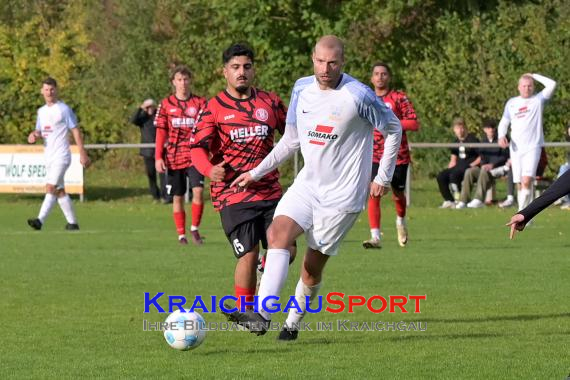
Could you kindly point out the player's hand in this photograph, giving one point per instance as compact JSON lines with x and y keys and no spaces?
{"x":377,"y":190}
{"x":243,"y":181}
{"x":84,"y":159}
{"x":217,"y":173}
{"x":32,"y":137}
{"x":517,"y":223}
{"x":160,"y":166}
{"x":503,"y":142}
{"x":487,"y":167}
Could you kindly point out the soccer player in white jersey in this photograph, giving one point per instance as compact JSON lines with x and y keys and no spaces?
{"x":331,"y":118}
{"x":524,"y":114}
{"x":55,"y":120}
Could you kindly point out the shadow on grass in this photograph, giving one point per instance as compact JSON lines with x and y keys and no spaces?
{"x":498,"y":318}
{"x":100,"y":193}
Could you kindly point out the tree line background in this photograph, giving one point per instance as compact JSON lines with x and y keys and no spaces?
{"x":453,"y":58}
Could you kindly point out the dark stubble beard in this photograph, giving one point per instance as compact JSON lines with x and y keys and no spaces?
{"x":242,"y":89}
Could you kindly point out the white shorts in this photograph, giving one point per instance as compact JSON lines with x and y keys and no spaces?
{"x":324,"y":229}
{"x":56,"y":173}
{"x":524,"y":164}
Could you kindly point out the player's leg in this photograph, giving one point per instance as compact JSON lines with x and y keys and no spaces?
{"x":323,"y":240}
{"x":177,"y":188}
{"x":244,"y":228}
{"x":374,"y":217}
{"x":263,"y":225}
{"x":399,"y":198}
{"x":528,"y":162}
{"x":54,"y":176}
{"x":293,"y":215}
{"x":197,"y":185}
{"x":151,"y":176}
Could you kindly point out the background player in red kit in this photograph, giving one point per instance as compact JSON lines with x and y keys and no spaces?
{"x":174,"y":121}
{"x":399,"y":103}
{"x":237,"y":128}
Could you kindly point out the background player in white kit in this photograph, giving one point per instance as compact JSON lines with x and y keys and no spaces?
{"x":55,"y":120}
{"x":524,"y":114}
{"x":331,"y":118}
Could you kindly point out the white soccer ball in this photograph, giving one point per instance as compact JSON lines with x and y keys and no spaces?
{"x":185,"y":331}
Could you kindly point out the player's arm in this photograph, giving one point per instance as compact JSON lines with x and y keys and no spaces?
{"x":549,"y":85}
{"x":203,"y":133}
{"x":285,"y":148}
{"x":503,"y":128}
{"x":558,"y":189}
{"x":161,"y":124}
{"x":409,"y":118}
{"x":83,"y":157}
{"x":36,"y":133}
{"x":383,"y":119}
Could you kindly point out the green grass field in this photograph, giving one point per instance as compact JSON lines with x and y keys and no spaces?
{"x":72,"y":303}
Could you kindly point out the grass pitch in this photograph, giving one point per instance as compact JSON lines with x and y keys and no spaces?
{"x":72,"y":303}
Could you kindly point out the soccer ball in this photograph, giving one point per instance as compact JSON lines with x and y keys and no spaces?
{"x":185,"y":331}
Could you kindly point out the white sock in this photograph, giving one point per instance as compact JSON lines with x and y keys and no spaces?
{"x":274,"y":277}
{"x":523,"y":198}
{"x":400,"y":220}
{"x":375,"y":233}
{"x":301,"y":291}
{"x":67,"y":208}
{"x":47,"y":205}
{"x":193,"y":228}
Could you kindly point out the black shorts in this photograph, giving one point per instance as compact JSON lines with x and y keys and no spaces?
{"x":245,"y":224}
{"x":176,"y":180}
{"x":398,"y":180}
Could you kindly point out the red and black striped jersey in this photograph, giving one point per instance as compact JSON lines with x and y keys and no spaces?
{"x":174,"y":121}
{"x":240,"y":133}
{"x":402,"y":107}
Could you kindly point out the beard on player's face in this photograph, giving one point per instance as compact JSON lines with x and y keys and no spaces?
{"x":242,"y":89}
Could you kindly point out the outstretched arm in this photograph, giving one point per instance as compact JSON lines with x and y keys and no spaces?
{"x":557,"y":190}
{"x":284,"y":149}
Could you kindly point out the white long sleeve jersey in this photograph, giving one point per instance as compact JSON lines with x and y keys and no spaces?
{"x":334,"y":130}
{"x":525,"y":117}
{"x":54,"y":122}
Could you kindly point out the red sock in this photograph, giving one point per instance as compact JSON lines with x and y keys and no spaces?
{"x":374,"y":212}
{"x":180,"y":222}
{"x":197,"y":211}
{"x":248,"y":293}
{"x":400,"y":205}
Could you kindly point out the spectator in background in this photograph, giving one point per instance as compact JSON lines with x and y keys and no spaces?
{"x":461,"y":159}
{"x":483,"y":177}
{"x":144,"y":119}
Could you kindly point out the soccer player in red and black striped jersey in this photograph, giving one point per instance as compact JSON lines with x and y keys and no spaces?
{"x":174,"y":121}
{"x":233,"y":135}
{"x":399,"y":103}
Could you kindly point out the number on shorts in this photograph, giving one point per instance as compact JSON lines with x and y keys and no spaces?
{"x":238,"y":247}
{"x":168,"y":188}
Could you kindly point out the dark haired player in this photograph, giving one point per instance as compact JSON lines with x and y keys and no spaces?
{"x":237,"y":129}
{"x":174,"y":121}
{"x":399,"y":103}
